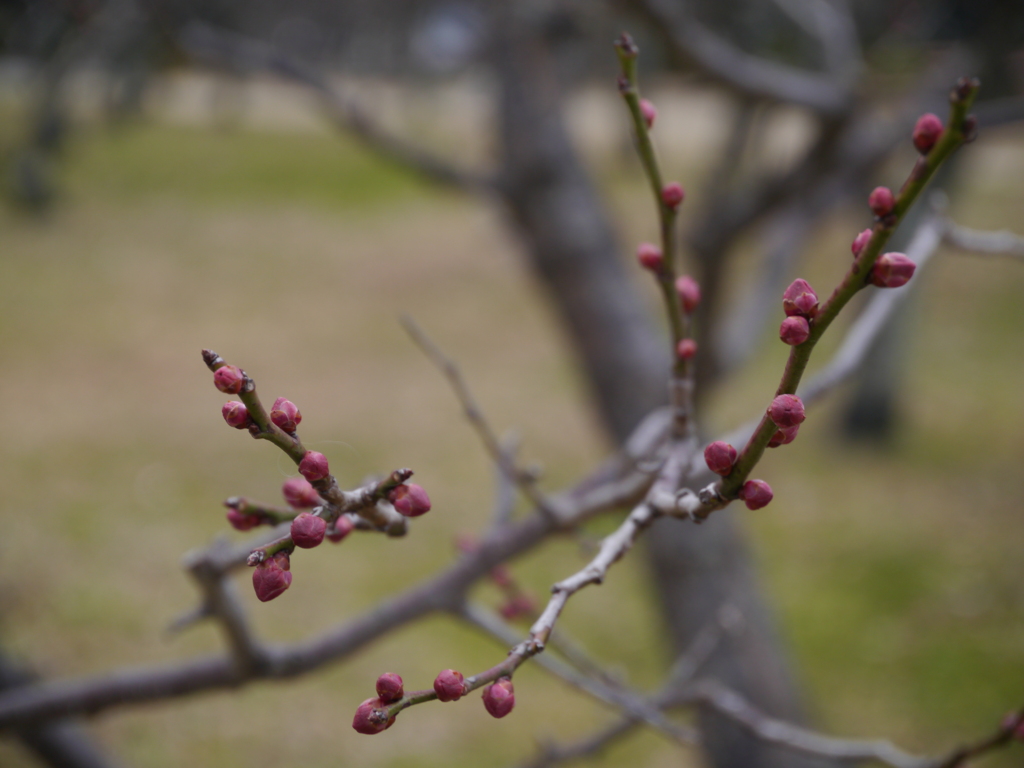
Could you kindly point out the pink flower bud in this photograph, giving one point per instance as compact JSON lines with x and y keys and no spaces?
{"x":236,"y":414}
{"x":313,"y":466}
{"x":272,"y":577}
{"x":800,"y":299}
{"x":689,"y":293}
{"x":686,"y":349}
{"x":499,"y":698}
{"x":649,"y":112}
{"x":308,"y":530}
{"x":794,"y":330}
{"x":343,"y":526}
{"x":520,"y":605}
{"x":860,"y":241}
{"x":784,"y":436}
{"x":786,"y":411}
{"x":892,"y":270}
{"x":229,"y":379}
{"x":650,"y":257}
{"x":756,"y":494}
{"x":720,"y":456}
{"x":372,"y":717}
{"x":672,"y":194}
{"x":241,"y":521}
{"x":927,"y":132}
{"x":881,"y":202}
{"x":285,"y":414}
{"x":409,"y":500}
{"x":299,"y":493}
{"x":389,"y":688}
{"x":449,"y":685}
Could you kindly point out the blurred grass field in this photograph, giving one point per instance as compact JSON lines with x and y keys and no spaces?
{"x":897,"y":573}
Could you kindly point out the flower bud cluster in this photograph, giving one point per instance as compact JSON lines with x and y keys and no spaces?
{"x":800,"y":303}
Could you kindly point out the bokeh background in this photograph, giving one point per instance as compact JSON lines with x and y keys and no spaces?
{"x":156,"y":206}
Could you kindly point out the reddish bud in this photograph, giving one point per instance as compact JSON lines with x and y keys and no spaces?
{"x":241,"y":521}
{"x":786,"y":411}
{"x":649,"y":111}
{"x":285,"y":414}
{"x":236,"y":414}
{"x":689,"y":293}
{"x":860,"y":241}
{"x":686,"y":349}
{"x":229,"y":379}
{"x":409,"y":499}
{"x":372,"y":717}
{"x":881,"y":202}
{"x":784,"y":436}
{"x":927,"y":132}
{"x":449,"y":685}
{"x":343,"y":526}
{"x":520,"y":605}
{"x":720,"y":456}
{"x":800,"y":299}
{"x":756,"y":494}
{"x":499,"y":698}
{"x":299,"y":493}
{"x":272,"y":577}
{"x":308,"y":530}
{"x":313,"y":466}
{"x":389,"y":688}
{"x":672,"y":194}
{"x":794,"y":330}
{"x":650,"y":257}
{"x":892,"y":270}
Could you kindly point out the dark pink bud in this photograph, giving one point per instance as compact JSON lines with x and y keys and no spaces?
{"x":860,"y":241}
{"x":228,"y":379}
{"x":236,"y":414}
{"x":672,"y":194}
{"x":409,"y":499}
{"x":649,"y":112}
{"x":881,"y":202}
{"x":794,"y":330}
{"x":784,"y":436}
{"x":449,"y":685}
{"x":285,"y":414}
{"x":343,"y":526}
{"x":520,"y":605}
{"x":308,"y":530}
{"x":372,"y":717}
{"x":927,"y":132}
{"x":892,"y":270}
{"x":800,"y":299}
{"x":313,"y":466}
{"x":241,"y":521}
{"x":650,"y":257}
{"x":720,"y":456}
{"x":689,"y":293}
{"x":389,"y":688}
{"x":686,"y":349}
{"x":272,"y":577}
{"x":499,"y":697}
{"x":299,"y":493}
{"x":786,"y":411}
{"x":756,"y":494}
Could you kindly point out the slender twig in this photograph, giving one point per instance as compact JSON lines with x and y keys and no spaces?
{"x":1001,"y":243}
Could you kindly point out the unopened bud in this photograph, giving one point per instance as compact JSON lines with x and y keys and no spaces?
{"x":272,"y":577}
{"x":686,"y":349}
{"x":229,"y":379}
{"x":241,"y":521}
{"x":689,"y":293}
{"x":672,"y":194}
{"x":756,"y":494}
{"x":236,"y":414}
{"x":285,"y":414}
{"x":299,"y":493}
{"x":786,"y":411}
{"x":649,"y":111}
{"x":372,"y":717}
{"x":794,"y":330}
{"x":881,"y":202}
{"x":650,"y":257}
{"x":892,"y":270}
{"x":313,"y":466}
{"x":720,"y":456}
{"x":308,"y":530}
{"x":784,"y":436}
{"x":449,"y":685}
{"x":927,"y":132}
{"x":860,"y":241}
{"x":389,"y":688}
{"x":520,"y":605}
{"x":343,"y":526}
{"x":409,"y":500}
{"x":499,"y":698}
{"x":800,"y":299}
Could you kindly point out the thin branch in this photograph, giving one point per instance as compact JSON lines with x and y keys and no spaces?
{"x":1001,"y":243}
